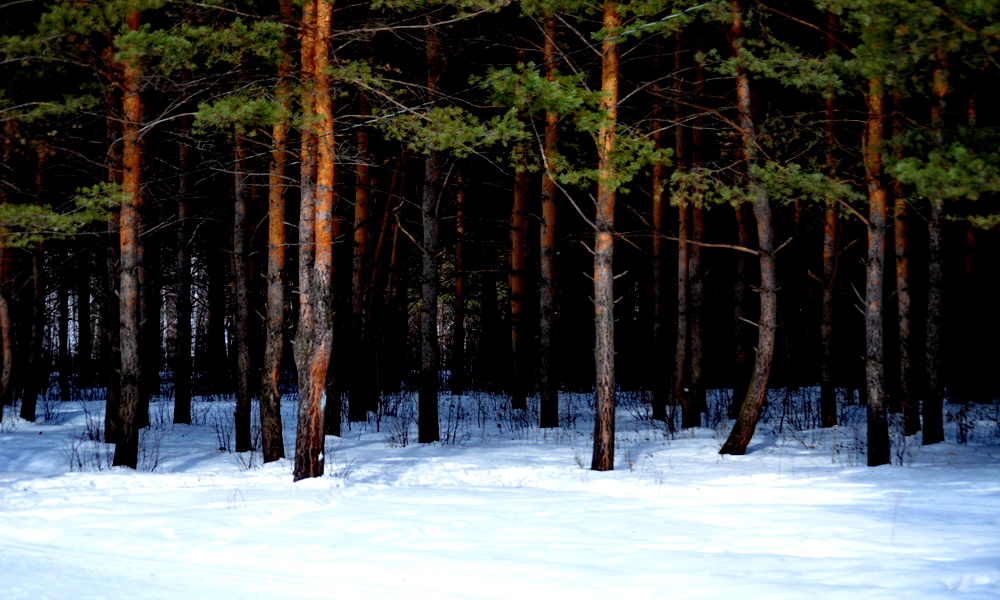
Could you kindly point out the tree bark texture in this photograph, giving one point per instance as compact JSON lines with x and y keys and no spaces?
{"x":127,"y":446}
{"x":660,"y":382}
{"x":314,"y":339}
{"x":548,"y":379}
{"x":604,"y":298}
{"x":428,"y":428}
{"x":746,"y":422}
{"x":517,"y":385}
{"x":827,"y":389}
{"x":182,"y":351}
{"x":241,"y":301}
{"x":878,"y":422}
{"x":271,"y":437}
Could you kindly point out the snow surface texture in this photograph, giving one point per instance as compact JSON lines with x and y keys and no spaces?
{"x":501,"y":509}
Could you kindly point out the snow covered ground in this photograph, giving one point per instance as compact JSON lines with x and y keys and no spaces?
{"x":502,"y":509}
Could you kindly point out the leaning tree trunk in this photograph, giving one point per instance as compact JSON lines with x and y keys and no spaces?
{"x":127,"y":446}
{"x":548,"y":380}
{"x":746,"y":422}
{"x":878,"y":422}
{"x":604,"y":296}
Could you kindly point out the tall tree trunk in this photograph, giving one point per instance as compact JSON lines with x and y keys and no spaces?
{"x":878,"y":422}
{"x":314,"y":339}
{"x":908,"y":400}
{"x":182,"y":353}
{"x":828,"y":391}
{"x":241,"y":301}
{"x":690,"y":412}
{"x":37,"y":372}
{"x":746,"y":422}
{"x":604,"y":296}
{"x":6,"y":273}
{"x":364,"y":386}
{"x":110,"y":304}
{"x":661,"y":357}
{"x":741,"y":298}
{"x":519,"y":289}
{"x":127,"y":446}
{"x":272,"y":441}
{"x":934,"y":399}
{"x":428,"y":429}
{"x":457,"y":366}
{"x":696,"y":393}
{"x":548,"y":380}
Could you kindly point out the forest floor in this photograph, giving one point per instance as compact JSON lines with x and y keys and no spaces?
{"x":500,"y":509}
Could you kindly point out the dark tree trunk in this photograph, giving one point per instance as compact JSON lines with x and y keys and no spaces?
{"x":62,"y":297}
{"x":241,"y":300}
{"x":85,"y":333}
{"x":272,"y":441}
{"x":182,"y":351}
{"x":517,"y":385}
{"x":878,"y":422}
{"x":828,"y":392}
{"x":934,"y":400}
{"x":548,"y":379}
{"x":127,"y":446}
{"x":604,"y":297}
{"x":908,"y":400}
{"x":660,"y":355}
{"x":428,"y":429}
{"x":457,"y":366}
{"x":364,"y":385}
{"x":746,"y":422}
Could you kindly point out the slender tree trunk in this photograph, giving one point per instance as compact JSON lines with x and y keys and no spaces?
{"x":241,"y":301}
{"x":519,"y":289}
{"x":127,"y":446}
{"x":457,"y":367}
{"x":741,"y":297}
{"x":37,"y":372}
{"x":828,"y":391}
{"x":314,"y":340}
{"x":548,"y":379}
{"x":934,"y":399}
{"x":364,"y":386}
{"x":6,"y":272}
{"x":661,"y":357}
{"x":428,"y":429}
{"x":746,"y":422}
{"x":908,"y":400}
{"x":182,"y":354}
{"x":272,"y":440}
{"x":690,"y":413}
{"x":878,"y":423}
{"x":696,"y":395}
{"x":604,"y":296}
